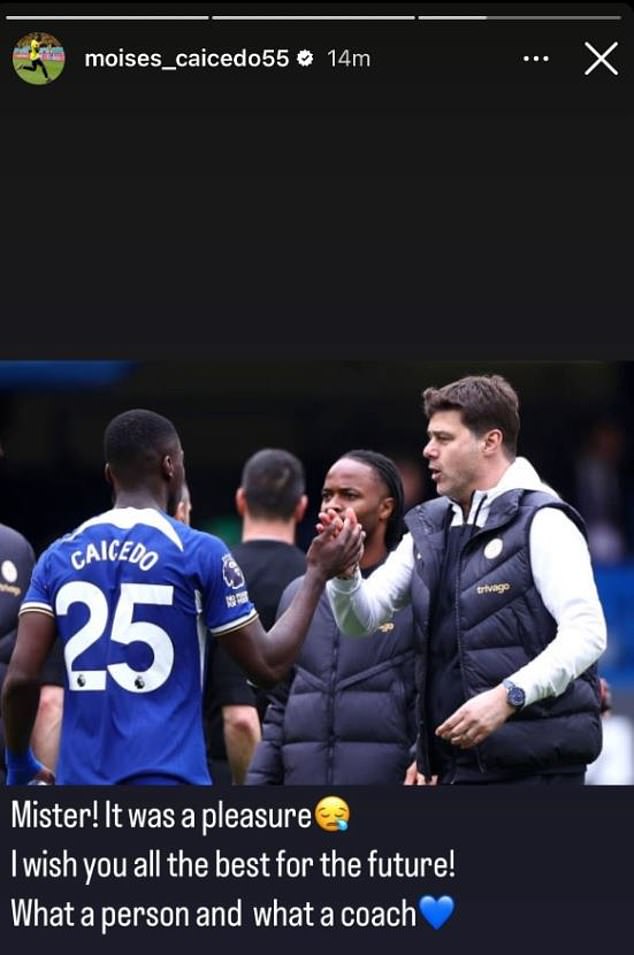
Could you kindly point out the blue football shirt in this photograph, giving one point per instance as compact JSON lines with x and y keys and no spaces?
{"x":134,"y":594}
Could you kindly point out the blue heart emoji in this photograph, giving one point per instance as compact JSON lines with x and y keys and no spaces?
{"x":436,"y":911}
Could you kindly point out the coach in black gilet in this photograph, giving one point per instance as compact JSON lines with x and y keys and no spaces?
{"x":498,"y":574}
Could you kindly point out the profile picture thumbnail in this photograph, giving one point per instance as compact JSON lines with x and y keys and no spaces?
{"x":38,"y":58}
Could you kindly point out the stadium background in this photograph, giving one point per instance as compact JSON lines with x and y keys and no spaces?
{"x":53,"y":414}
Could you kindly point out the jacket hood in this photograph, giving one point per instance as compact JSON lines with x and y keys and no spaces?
{"x":519,"y":475}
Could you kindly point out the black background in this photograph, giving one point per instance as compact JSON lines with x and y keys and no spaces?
{"x":536,"y":869}
{"x":449,"y":197}
{"x":449,"y":207}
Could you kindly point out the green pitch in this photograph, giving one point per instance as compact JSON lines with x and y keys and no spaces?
{"x":54,"y":68}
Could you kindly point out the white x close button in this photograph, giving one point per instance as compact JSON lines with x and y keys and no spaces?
{"x":601,"y":58}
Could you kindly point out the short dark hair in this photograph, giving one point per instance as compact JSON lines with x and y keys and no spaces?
{"x":273,"y":482}
{"x":389,"y":474}
{"x":484,"y":401}
{"x":135,"y":441}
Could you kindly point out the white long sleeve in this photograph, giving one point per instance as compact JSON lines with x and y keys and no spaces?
{"x":360,"y":606}
{"x":561,"y":567}
{"x":560,"y":562}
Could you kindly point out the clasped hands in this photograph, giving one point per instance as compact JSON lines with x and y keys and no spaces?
{"x":331,"y":517}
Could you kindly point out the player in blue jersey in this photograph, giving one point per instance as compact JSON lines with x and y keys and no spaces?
{"x":132,"y":593}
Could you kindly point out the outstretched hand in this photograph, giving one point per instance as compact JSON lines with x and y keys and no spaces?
{"x":339,"y":544}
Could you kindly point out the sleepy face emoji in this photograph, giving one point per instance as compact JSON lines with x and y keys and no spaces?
{"x":332,"y":813}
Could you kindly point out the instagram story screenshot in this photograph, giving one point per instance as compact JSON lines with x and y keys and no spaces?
{"x":317,"y":476}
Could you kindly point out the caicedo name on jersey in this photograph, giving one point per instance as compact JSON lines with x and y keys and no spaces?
{"x":132,"y":551}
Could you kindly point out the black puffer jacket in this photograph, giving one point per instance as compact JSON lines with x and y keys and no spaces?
{"x":347,"y":713}
{"x":502,"y":624}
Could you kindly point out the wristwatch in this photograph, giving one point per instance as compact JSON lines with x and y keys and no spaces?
{"x":514,"y":694}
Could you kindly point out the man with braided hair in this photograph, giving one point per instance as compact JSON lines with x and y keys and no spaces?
{"x":346,"y":715}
